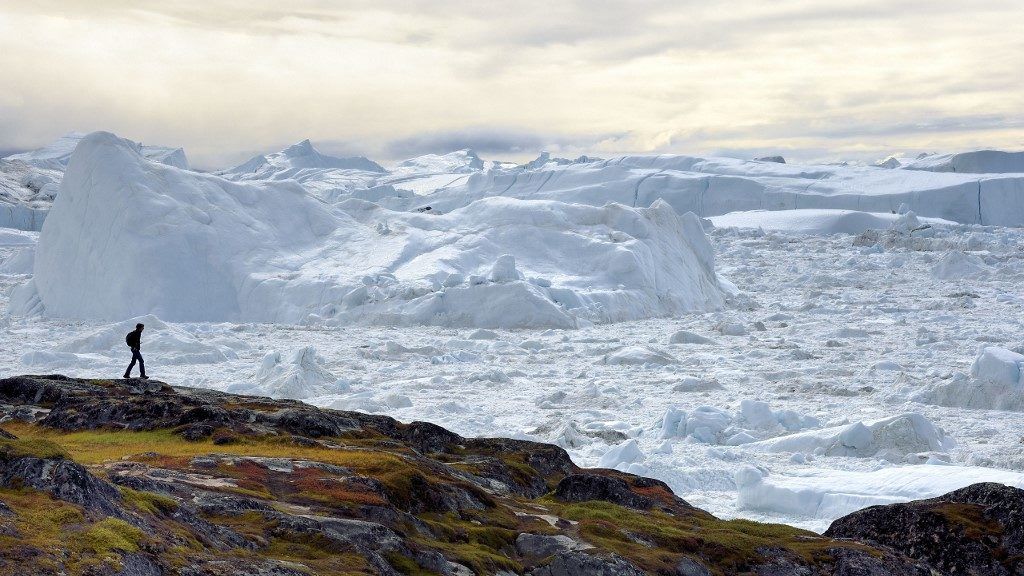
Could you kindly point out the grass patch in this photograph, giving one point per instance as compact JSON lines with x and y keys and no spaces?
{"x":98,"y":446}
{"x":727,"y":546}
{"x":148,"y":502}
{"x":40,"y":519}
{"x":51,"y":533}
{"x":30,"y":447}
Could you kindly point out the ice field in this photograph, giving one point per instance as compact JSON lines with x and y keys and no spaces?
{"x":788,"y":365}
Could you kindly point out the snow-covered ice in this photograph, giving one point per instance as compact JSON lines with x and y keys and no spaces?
{"x":813,"y":221}
{"x":824,"y":495}
{"x":977,"y":162}
{"x":996,"y":382}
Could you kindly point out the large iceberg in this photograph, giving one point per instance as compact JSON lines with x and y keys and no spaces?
{"x":716,"y":186}
{"x":976,"y":162}
{"x":128,"y":236}
{"x":29,"y":181}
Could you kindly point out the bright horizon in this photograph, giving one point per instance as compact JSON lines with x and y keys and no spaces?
{"x":390,"y":80}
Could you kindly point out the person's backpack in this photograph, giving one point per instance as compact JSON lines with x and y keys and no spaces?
{"x":128,"y":339}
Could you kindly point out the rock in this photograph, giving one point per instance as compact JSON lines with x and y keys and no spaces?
{"x":975,"y":530}
{"x":863,"y":563}
{"x":536,"y":546}
{"x":574,"y":563}
{"x":430,"y":438}
{"x":313,"y":423}
{"x":689,"y":567}
{"x":584,"y":487}
{"x":62,"y":479}
{"x":195,"y":432}
{"x":215,"y":504}
{"x":133,"y":564}
{"x":684,"y":337}
{"x":203,"y":462}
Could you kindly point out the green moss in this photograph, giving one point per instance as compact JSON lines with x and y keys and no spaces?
{"x":110,"y":535}
{"x":41,"y":521}
{"x":522,"y":472}
{"x":480,"y":559}
{"x":970,"y":518}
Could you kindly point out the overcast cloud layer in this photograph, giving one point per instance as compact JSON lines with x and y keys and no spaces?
{"x":814,"y":80}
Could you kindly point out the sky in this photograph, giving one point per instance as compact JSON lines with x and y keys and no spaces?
{"x":813,"y":80}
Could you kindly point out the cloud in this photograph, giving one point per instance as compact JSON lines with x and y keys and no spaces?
{"x":401,"y":77}
{"x":495,"y":142}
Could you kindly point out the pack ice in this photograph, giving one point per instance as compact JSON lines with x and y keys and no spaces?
{"x":128,"y":236}
{"x":996,"y":382}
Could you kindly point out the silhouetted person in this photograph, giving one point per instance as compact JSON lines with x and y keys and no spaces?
{"x":134,"y":341}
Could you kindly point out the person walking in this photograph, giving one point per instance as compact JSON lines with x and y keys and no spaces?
{"x":134,"y":341}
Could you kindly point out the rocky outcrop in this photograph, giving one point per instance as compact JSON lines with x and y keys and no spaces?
{"x":975,"y":530}
{"x":62,"y":479}
{"x":126,"y":477}
{"x":638,"y":493}
{"x":580,"y":563}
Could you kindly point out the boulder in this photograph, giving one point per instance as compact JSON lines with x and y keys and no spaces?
{"x":975,"y":530}
{"x":582,"y":564}
{"x":584,"y":487}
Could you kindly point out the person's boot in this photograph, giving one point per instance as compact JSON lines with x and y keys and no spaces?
{"x":144,"y":377}
{"x":127,"y":376}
